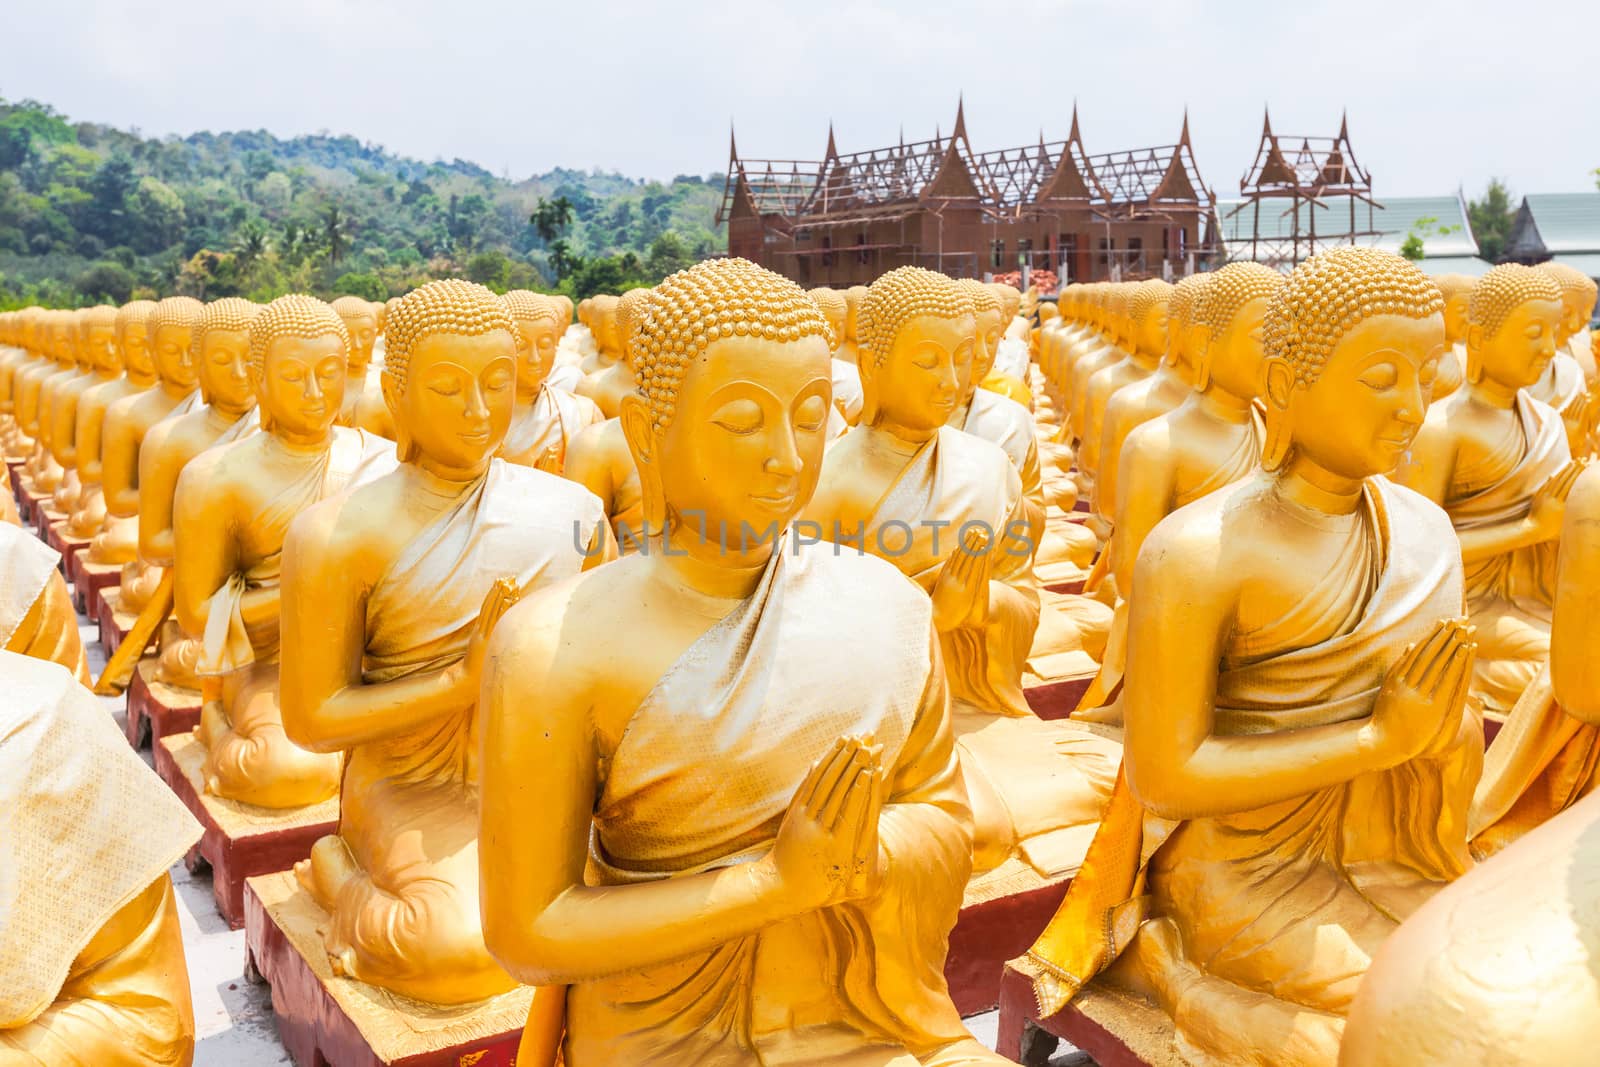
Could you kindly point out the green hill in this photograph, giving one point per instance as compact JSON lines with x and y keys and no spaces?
{"x":90,"y":213}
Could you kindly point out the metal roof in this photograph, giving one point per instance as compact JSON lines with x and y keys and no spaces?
{"x":1393,"y":218}
{"x":1568,"y":222}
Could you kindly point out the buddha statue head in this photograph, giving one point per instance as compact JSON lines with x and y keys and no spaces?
{"x":450,"y":376}
{"x":1353,"y":339}
{"x":62,"y":344}
{"x":133,"y":340}
{"x":630,"y":305}
{"x":1512,"y":325}
{"x":1232,"y":305}
{"x":361,"y":319}
{"x":172,"y":324}
{"x":1010,"y":300}
{"x":832,"y":304}
{"x":1457,"y":290}
{"x":584,"y":307}
{"x":1049,"y":311}
{"x":1578,"y":292}
{"x":988,"y":314}
{"x":603,"y":321}
{"x":1184,"y":330}
{"x":729,"y":422}
{"x":563,"y":305}
{"x":298,"y":367}
{"x":538,"y":330}
{"x":1148,"y":311}
{"x":98,"y":341}
{"x":917,"y":345}
{"x":221,"y":354}
{"x":852,"y":311}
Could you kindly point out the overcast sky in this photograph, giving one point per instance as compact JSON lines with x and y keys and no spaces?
{"x":1439,"y":94}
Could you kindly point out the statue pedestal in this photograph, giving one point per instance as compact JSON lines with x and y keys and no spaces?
{"x":58,"y":538}
{"x":1063,"y":679}
{"x":1004,"y":911}
{"x":44,"y":518}
{"x":114,"y":624}
{"x":89,"y":579}
{"x":324,"y":1019}
{"x":157,"y":710}
{"x":1115,"y":1028}
{"x":14,"y":474}
{"x":240,"y":840}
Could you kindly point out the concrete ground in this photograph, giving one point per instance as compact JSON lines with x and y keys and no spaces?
{"x":234,"y":1023}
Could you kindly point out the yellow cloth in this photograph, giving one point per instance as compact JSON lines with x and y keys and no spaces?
{"x":701,"y":779}
{"x":36,"y":614}
{"x":1542,"y":762}
{"x":1510,"y":596}
{"x":228,"y":644}
{"x":954,"y":480}
{"x":1006,"y":423}
{"x":408,"y":915}
{"x":85,"y":828}
{"x":541,"y":432}
{"x":1274,"y":913}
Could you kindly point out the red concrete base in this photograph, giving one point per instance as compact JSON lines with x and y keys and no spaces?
{"x":44,"y":518}
{"x":1116,"y":1030}
{"x":329,"y":1021}
{"x":114,"y":625}
{"x":156,"y":710}
{"x":1491,"y":727}
{"x":1072,"y":588}
{"x":29,"y":506}
{"x":1058,"y":698}
{"x":240,"y":840}
{"x":988,"y":934}
{"x":89,"y":579}
{"x":58,"y":538}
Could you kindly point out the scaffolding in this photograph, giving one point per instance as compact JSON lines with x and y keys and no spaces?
{"x":1321,"y":188}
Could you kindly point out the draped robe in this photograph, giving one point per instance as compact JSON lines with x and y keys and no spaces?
{"x":36,"y":614}
{"x":1259,"y":924}
{"x":1561,"y":382}
{"x":700,"y":780}
{"x":1051,"y":776}
{"x":91,"y":959}
{"x":541,"y":431}
{"x":248,"y":756}
{"x":408,"y":916}
{"x":1510,"y":597}
{"x":1542,"y":762}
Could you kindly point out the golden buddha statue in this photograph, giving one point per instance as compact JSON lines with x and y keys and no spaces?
{"x":170,"y":330}
{"x":1147,"y":317}
{"x":1497,"y":459}
{"x":607,"y":385}
{"x":846,"y":379}
{"x":775,"y":865}
{"x":118,"y":540}
{"x":1107,"y":349}
{"x":114,"y":383}
{"x":848,"y":345}
{"x":46,"y":473}
{"x":361,"y":319}
{"x":1209,"y":441}
{"x":93,"y":332}
{"x":1543,"y":760}
{"x":36,"y":614}
{"x":1578,"y":293}
{"x":1010,"y":359}
{"x":565,"y":370}
{"x":1169,"y":384}
{"x":546,"y":418}
{"x":389,"y":593}
{"x":602,"y":323}
{"x":1457,"y":290}
{"x":231,"y":511}
{"x":25,"y":386}
{"x":947,"y":508}
{"x":92,"y":969}
{"x":1299,"y":761}
{"x":220,"y":352}
{"x":599,"y":458}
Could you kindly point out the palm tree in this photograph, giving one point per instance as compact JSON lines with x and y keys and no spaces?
{"x":250,"y":243}
{"x":550,"y":217}
{"x":334,"y":237}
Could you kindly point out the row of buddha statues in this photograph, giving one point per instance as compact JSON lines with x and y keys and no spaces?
{"x":676,"y":663}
